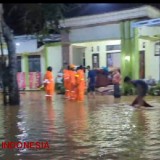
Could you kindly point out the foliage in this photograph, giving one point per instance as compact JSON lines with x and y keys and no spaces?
{"x":154,"y":90}
{"x":36,"y":18}
{"x":128,"y":89}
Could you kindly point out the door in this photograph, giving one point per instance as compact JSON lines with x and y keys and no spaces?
{"x":142,"y":65}
{"x":95,"y":60}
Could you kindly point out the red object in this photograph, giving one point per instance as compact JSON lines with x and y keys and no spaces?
{"x":34,"y":80}
{"x":102,"y":80}
{"x":21,"y":79}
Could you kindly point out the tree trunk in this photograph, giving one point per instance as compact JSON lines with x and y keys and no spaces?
{"x":14,"y":98}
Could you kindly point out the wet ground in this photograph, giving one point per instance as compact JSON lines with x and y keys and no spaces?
{"x":98,"y":129}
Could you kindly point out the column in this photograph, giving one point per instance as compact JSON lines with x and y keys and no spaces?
{"x":26,"y":69}
{"x":65,"y":46}
{"x":46,"y":56}
{"x":129,"y":51}
{"x":135,"y":55}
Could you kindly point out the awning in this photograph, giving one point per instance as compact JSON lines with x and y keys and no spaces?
{"x":151,"y":22}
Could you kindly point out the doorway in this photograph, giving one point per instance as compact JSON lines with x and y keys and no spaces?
{"x":95,"y":60}
{"x":142,"y":65}
{"x":113,"y":59}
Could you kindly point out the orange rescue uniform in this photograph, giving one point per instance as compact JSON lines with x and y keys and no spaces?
{"x":80,"y":81}
{"x":66,"y":77}
{"x":72,"y":85}
{"x":49,"y":85}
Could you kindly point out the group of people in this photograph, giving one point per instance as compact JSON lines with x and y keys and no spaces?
{"x":75,"y":84}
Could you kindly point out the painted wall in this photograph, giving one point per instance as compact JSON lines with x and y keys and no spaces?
{"x":149,"y":31}
{"x":103,"y":32}
{"x":54,"y":58}
{"x":22,"y":46}
{"x":97,"y":47}
{"x":151,"y":61}
{"x":77,"y":55}
{"x":26,"y":46}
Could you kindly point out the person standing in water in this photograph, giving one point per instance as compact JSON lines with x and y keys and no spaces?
{"x":116,"y":81}
{"x":91,"y":81}
{"x":66,"y":78}
{"x":142,"y":89}
{"x":49,"y":84}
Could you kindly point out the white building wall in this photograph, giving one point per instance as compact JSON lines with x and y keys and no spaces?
{"x":77,"y":55}
{"x":103,"y":32}
{"x":151,"y":61}
{"x":54,"y":58}
{"x":26,"y":46}
{"x":92,"y":47}
{"x":43,"y":69}
{"x":149,"y":31}
{"x":22,"y":46}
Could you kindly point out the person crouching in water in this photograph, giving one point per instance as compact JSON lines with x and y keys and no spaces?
{"x":141,"y":88}
{"x":116,"y":81}
{"x":49,"y":85}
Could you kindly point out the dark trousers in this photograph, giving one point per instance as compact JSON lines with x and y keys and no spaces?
{"x":117,"y":92}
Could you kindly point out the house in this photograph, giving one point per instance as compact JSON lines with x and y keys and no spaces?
{"x":32,"y":60}
{"x":114,"y":39}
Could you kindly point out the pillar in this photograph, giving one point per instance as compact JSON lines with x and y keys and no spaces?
{"x":65,"y":46}
{"x":46,"y":56}
{"x":26,"y":69}
{"x":135,"y":55}
{"x":129,"y":50}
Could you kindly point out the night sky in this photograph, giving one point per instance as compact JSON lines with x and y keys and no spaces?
{"x":14,"y":21}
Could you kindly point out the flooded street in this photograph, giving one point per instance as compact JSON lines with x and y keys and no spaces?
{"x":98,"y":129}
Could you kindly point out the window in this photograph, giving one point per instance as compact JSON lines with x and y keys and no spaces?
{"x":157,"y":49}
{"x":113,"y":47}
{"x":19,"y":67}
{"x":34,"y":63}
{"x":113,"y":59}
{"x":92,"y":49}
{"x":95,"y":60}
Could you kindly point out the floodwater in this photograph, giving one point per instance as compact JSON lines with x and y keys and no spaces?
{"x":98,"y":129}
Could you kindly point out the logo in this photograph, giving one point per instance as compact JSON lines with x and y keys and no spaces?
{"x":25,"y":145}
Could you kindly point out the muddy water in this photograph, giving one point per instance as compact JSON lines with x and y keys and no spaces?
{"x":98,"y":129}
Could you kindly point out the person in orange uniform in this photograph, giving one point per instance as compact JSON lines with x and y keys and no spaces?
{"x":72,"y":82}
{"x":80,"y":81}
{"x":66,"y":77}
{"x":49,"y":85}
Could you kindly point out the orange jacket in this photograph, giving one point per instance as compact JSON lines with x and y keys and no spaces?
{"x":49,"y":81}
{"x":80,"y":79}
{"x":72,"y":77}
{"x":66,"y":77}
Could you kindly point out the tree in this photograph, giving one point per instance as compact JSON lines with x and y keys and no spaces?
{"x":10,"y":72}
{"x":34,"y":18}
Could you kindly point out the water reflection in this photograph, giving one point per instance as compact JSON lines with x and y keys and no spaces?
{"x":101,"y":128}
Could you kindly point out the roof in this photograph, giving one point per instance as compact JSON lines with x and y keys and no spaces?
{"x":141,"y":12}
{"x":99,"y":8}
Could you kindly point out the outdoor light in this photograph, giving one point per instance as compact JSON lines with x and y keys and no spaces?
{"x":17,"y":44}
{"x":127,"y":58}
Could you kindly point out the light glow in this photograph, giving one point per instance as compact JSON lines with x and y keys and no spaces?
{"x":127,"y":58}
